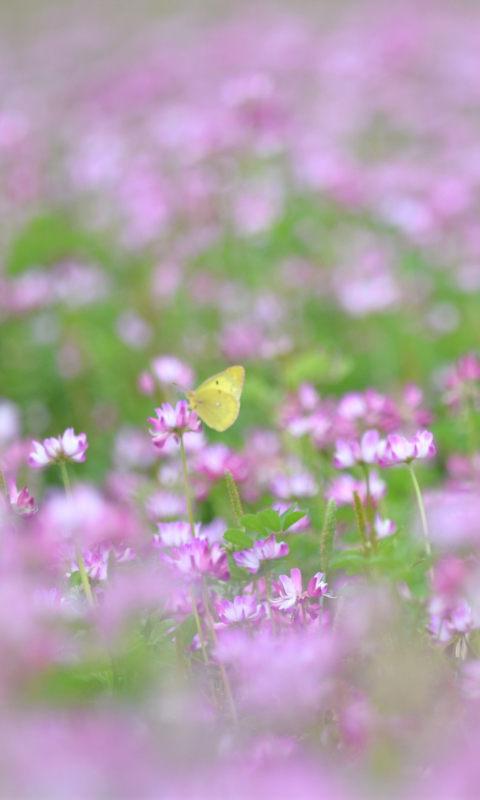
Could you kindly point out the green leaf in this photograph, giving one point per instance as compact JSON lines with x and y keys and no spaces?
{"x":271,"y":519}
{"x":160,"y":629}
{"x":185,"y":632}
{"x":252,"y":522}
{"x":286,"y":513}
{"x":238,"y":538}
{"x":75,"y":579}
{"x":292,"y":518}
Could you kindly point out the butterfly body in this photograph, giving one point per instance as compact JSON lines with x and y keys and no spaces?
{"x":217,"y":400}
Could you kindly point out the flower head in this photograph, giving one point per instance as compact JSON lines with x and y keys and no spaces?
{"x":384,"y":527}
{"x":291,"y":590}
{"x":59,"y":450}
{"x":21,"y":502}
{"x":348,"y":454}
{"x":244,"y":607}
{"x":195,"y":559}
{"x":263,"y":550}
{"x":398,"y":450}
{"x":174,"y":534}
{"x":173,"y":422}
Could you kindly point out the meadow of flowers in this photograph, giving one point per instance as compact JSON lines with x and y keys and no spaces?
{"x":291,"y":607}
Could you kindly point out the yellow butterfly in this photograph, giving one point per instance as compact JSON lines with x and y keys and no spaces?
{"x":217,"y":400}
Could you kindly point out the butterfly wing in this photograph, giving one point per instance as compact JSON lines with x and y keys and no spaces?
{"x":229,"y":381}
{"x":216,"y":408}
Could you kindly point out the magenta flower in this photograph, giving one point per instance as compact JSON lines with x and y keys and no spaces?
{"x":21,"y":502}
{"x":67,"y":447}
{"x":291,"y":590}
{"x":448,"y":620}
{"x":173,"y":422}
{"x":286,"y":487}
{"x":263,"y":550}
{"x":342,"y":488}
{"x":349,"y":454}
{"x":174,"y":534}
{"x":244,"y":607}
{"x":196,"y":559}
{"x":384,"y":527}
{"x":398,"y":450}
{"x":170,"y":369}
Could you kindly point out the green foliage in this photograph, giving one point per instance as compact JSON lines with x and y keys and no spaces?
{"x":328,"y":534}
{"x":239,"y":539}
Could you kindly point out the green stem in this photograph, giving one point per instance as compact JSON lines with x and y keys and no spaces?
{"x":370,"y":516}
{"x":223,"y":671}
{"x":304,"y":615}
{"x":78,"y":552}
{"x":199,"y":626}
{"x":423,"y":517}
{"x":187,"y":490}
{"x":3,"y":485}
{"x":268,"y":591}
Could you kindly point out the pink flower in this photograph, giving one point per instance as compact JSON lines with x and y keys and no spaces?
{"x":97,"y":561}
{"x":384,"y":527}
{"x":263,"y":550}
{"x":214,"y":459}
{"x":170,"y":369}
{"x":173,"y":422}
{"x":342,"y":488}
{"x":64,"y":448}
{"x":21,"y":502}
{"x":196,"y":558}
{"x":349,"y":454}
{"x":291,"y":589}
{"x":175,"y":534}
{"x":398,"y":450}
{"x":146,"y":383}
{"x":302,"y":484}
{"x":244,"y":607}
{"x":448,"y":620}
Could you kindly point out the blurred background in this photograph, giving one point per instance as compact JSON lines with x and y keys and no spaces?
{"x":294,"y":188}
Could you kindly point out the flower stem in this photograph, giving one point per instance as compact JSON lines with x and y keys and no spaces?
{"x":78,"y":552}
{"x":268,"y":592}
{"x":304,"y":615}
{"x":187,"y":490}
{"x":223,"y":671}
{"x":3,"y":485}
{"x":371,"y":520}
{"x":199,"y":626}
{"x":421,"y":507}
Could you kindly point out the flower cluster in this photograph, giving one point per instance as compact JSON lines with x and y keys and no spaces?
{"x":60,"y":450}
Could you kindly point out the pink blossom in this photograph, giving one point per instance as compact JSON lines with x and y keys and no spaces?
{"x":195,"y":559}
{"x":97,"y":561}
{"x":64,"y":448}
{"x":263,"y":550}
{"x":244,"y":607}
{"x":384,"y":527}
{"x":215,"y":459}
{"x":165,"y":505}
{"x":173,"y":422}
{"x":398,"y":450}
{"x":171,"y":370}
{"x":341,"y":489}
{"x":302,"y":484}
{"x":291,"y":591}
{"x":175,"y":534}
{"x":448,"y":620}
{"x":349,"y":454}
{"x":146,"y":383}
{"x":21,"y":502}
